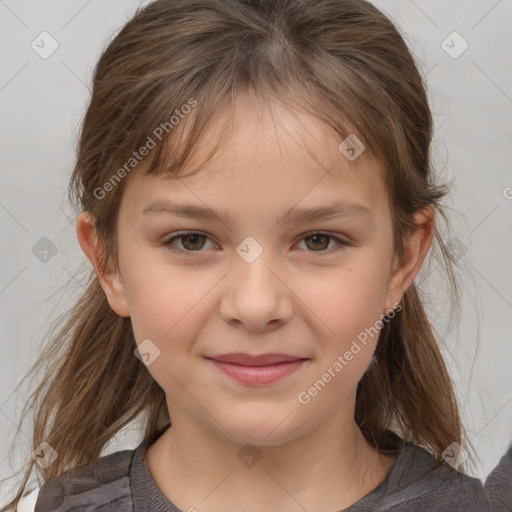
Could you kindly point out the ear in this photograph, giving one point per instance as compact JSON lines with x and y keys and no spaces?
{"x":415,"y":249}
{"x":109,"y":277}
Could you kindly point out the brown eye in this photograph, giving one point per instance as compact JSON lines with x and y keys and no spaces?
{"x":193,"y":242}
{"x":319,"y":241}
{"x":190,"y":242}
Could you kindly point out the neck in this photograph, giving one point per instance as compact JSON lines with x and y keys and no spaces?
{"x":328,"y":469}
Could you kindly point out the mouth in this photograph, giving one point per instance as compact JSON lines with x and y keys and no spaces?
{"x":257,"y":370}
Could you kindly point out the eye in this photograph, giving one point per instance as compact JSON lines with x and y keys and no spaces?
{"x":193,"y":241}
{"x":319,"y":239}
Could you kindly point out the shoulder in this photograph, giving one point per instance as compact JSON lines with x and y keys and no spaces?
{"x":498,"y":485}
{"x":103,"y":484}
{"x":419,"y":482}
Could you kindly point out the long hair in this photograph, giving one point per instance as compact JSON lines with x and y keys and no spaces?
{"x":173,"y":66}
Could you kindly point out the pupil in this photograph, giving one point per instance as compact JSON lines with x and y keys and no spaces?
{"x":193,"y":238}
{"x":316,"y":237}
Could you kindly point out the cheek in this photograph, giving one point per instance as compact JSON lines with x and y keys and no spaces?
{"x":349,"y":304}
{"x":348,"y":300}
{"x":164,"y":302}
{"x":169,"y":307}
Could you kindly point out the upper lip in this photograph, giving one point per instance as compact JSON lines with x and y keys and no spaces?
{"x":256,"y":360}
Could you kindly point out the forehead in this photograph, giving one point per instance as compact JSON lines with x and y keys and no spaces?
{"x":271,"y":159}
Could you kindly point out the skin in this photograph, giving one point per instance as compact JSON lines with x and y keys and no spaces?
{"x":301,"y":296}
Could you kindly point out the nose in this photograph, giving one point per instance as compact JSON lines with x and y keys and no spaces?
{"x":256,"y":294}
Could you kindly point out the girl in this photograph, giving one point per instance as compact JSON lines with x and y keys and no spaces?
{"x":256,"y":199}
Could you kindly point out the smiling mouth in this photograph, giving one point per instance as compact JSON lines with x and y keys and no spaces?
{"x":257,"y":370}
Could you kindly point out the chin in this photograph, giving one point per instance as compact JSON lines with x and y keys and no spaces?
{"x":262,"y":428}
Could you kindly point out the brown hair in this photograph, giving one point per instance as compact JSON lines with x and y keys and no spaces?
{"x":342,"y":61}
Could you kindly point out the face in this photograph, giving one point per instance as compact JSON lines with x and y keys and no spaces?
{"x":252,"y":277}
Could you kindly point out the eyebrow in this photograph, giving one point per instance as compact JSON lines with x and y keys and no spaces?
{"x":337,"y":209}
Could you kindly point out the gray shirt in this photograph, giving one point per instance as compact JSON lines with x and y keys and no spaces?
{"x":498,"y":485}
{"x":121,"y":482}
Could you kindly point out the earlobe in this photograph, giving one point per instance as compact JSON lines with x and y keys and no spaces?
{"x":415,"y":250}
{"x":109,"y":277}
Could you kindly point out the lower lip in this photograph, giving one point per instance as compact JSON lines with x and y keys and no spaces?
{"x":258,"y":375}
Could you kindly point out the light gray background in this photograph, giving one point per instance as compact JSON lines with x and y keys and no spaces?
{"x":42,"y":102}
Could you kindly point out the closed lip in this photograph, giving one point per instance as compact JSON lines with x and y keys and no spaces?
{"x":256,"y":360}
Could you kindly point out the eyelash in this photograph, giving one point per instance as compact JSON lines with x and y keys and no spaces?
{"x":168,"y":242}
